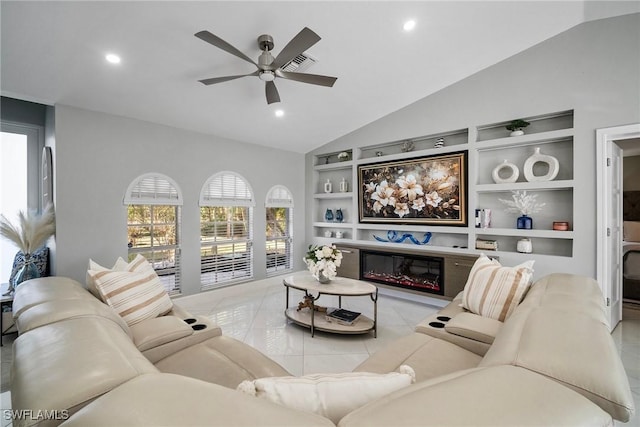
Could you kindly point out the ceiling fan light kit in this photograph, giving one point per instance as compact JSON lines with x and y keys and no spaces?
{"x":269,"y":68}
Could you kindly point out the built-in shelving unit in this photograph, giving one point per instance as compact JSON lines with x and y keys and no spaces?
{"x":488,"y":145}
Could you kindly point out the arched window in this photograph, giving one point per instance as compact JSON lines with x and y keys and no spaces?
{"x":153,"y":225}
{"x":226,"y":230}
{"x":279,"y":211}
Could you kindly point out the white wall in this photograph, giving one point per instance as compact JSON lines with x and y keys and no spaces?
{"x":98,"y":155}
{"x":593,"y":68}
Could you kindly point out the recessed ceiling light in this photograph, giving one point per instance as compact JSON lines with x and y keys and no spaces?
{"x":409,"y":25}
{"x":112,"y":58}
{"x":279,"y":113}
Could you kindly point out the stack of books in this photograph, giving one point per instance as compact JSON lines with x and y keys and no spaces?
{"x":342,"y":316}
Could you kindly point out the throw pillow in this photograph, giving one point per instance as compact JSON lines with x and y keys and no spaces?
{"x":139,"y":264}
{"x":40,"y":257}
{"x":495,"y":291}
{"x":136,"y":294}
{"x":330,"y":395}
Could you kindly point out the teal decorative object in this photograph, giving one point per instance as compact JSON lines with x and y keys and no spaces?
{"x":395,"y":237}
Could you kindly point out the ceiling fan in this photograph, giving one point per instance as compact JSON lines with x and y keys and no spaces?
{"x":269,"y":68}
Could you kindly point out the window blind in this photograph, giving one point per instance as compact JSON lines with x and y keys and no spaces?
{"x":226,"y":189}
{"x":153,"y":189}
{"x":279,"y":197}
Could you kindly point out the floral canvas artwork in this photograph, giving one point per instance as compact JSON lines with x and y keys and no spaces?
{"x":428,"y":190}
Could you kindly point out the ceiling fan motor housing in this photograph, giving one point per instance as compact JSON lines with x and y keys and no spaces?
{"x":265,"y":42}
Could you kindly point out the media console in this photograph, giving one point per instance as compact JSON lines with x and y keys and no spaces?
{"x":435,"y":273}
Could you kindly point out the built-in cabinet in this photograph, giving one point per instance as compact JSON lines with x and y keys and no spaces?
{"x":488,"y":146}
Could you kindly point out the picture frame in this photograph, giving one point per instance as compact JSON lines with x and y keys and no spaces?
{"x":428,"y":190}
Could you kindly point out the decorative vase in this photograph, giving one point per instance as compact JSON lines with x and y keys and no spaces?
{"x":524,"y":246}
{"x":339,"y":215}
{"x":525,"y":222}
{"x":327,"y":186}
{"x":344,"y":186}
{"x":323,"y":279}
{"x":328,"y":215}
{"x":538,"y":157}
{"x":514,"y":173}
{"x":28,"y":271}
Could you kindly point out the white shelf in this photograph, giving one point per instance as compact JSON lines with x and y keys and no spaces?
{"x":565,"y":184}
{"x":540,"y":257}
{"x":414,"y":228}
{"x":428,"y":247}
{"x":347,"y":195}
{"x":334,"y":166}
{"x":528,"y":139}
{"x":303,"y":317}
{"x":333,"y":224}
{"x":417,"y":153}
{"x":516,"y":232}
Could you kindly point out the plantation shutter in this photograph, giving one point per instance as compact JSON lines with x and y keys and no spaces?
{"x":153,"y":189}
{"x":279,"y":236}
{"x":279,"y":197}
{"x":226,"y":189}
{"x":226,"y":229}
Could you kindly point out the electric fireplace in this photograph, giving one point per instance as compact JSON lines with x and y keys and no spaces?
{"x":420,"y":273}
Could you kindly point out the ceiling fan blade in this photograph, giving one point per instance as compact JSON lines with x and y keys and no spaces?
{"x":301,"y":42}
{"x":221,"y":44}
{"x":314,"y":79}
{"x":215,"y":80}
{"x":272,"y":93}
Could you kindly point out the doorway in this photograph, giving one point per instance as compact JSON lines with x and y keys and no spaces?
{"x":612,"y":145}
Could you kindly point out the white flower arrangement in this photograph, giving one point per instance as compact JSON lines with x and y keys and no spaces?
{"x":523,"y":203}
{"x":323,"y":260}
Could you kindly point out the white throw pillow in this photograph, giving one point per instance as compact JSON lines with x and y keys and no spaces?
{"x":495,"y":291}
{"x":330,"y":395}
{"x":139,"y":264}
{"x":135,"y":294}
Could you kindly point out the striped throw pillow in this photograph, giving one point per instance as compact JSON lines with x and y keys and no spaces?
{"x":136,"y":294}
{"x":495,"y":291}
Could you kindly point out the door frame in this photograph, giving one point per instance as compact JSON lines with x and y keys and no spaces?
{"x":605,"y":138}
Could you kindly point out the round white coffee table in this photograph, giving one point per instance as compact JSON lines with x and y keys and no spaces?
{"x":340,"y":287}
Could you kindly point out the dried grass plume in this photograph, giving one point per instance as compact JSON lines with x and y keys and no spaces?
{"x":32,"y":230}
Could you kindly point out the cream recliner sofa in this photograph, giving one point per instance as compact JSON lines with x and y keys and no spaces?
{"x":552,"y":362}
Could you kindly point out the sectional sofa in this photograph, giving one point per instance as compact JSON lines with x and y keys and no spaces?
{"x":551,"y":362}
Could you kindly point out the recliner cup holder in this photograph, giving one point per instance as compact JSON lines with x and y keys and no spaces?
{"x":443,"y":318}
{"x":190,"y":320}
{"x":437,"y":325}
{"x":198,"y":327}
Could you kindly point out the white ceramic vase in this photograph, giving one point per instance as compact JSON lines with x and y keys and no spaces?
{"x":513,"y":177}
{"x":538,"y":157}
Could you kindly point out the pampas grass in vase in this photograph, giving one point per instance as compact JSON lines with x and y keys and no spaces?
{"x":32,"y":232}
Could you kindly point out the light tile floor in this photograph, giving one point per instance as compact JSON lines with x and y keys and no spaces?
{"x":253,"y":313}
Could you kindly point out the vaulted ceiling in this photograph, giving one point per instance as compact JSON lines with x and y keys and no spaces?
{"x":54,"y":52}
